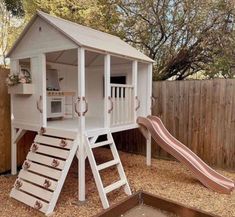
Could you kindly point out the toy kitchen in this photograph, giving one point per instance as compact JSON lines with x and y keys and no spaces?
{"x":57,"y":106}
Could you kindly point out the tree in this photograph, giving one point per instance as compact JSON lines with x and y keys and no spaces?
{"x":9,"y":27}
{"x":180,"y":35}
{"x":15,"y":7}
{"x":98,"y":14}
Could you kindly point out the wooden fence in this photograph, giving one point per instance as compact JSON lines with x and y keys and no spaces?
{"x":200,"y":113}
{"x":5,"y":143}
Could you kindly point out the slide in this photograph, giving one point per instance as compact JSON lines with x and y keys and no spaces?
{"x":205,"y":174}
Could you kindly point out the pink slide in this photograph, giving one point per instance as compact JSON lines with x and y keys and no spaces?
{"x":205,"y":174}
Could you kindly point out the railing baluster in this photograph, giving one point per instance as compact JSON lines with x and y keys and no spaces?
{"x":123,"y":101}
{"x":118,"y":105}
{"x":114,"y":107}
{"x":122,"y":111}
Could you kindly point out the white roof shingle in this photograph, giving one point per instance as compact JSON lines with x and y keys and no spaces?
{"x":90,"y":38}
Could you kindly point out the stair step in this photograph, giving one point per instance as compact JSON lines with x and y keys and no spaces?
{"x":100,"y":144}
{"x":114,"y":186}
{"x":28,"y":199}
{"x":37,"y":179}
{"x":35,"y":190}
{"x":57,"y":142}
{"x":45,"y":171}
{"x":60,"y":133}
{"x":107,"y":164}
{"x":55,"y":152}
{"x":46,"y":160}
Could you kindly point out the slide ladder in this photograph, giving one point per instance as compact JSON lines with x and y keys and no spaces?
{"x":91,"y":143}
{"x":205,"y":174}
{"x":43,"y":173}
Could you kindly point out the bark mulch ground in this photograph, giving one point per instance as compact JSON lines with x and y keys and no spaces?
{"x":168,"y":179}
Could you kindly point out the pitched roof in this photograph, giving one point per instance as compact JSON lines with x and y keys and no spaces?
{"x":87,"y":37}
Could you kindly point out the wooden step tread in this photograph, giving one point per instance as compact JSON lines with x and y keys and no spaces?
{"x":46,"y":160}
{"x":107,"y":164}
{"x":28,"y":199}
{"x":100,"y":144}
{"x":115,"y":186}
{"x":61,"y":143}
{"x":37,"y":179}
{"x":45,"y":171}
{"x":60,"y":133}
{"x":35,"y":190}
{"x":60,"y":153}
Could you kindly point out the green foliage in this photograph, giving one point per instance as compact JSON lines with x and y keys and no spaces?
{"x":98,"y":14}
{"x":9,"y":29}
{"x":183,"y":36}
{"x":15,"y":7}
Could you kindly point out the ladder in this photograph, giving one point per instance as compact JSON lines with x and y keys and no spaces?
{"x":91,"y":143}
{"x":43,"y":173}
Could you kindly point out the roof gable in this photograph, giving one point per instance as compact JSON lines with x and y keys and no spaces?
{"x":88,"y":37}
{"x":40,"y":37}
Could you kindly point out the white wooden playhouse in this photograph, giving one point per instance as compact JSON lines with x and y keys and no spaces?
{"x":85,"y":83}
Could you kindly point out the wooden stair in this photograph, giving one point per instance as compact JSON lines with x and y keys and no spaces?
{"x":43,"y":173}
{"x":103,"y":191}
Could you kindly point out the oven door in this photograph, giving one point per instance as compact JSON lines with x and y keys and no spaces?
{"x":55,"y":107}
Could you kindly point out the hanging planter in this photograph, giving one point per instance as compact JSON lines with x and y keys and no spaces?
{"x":21,"y":89}
{"x":20,"y":83}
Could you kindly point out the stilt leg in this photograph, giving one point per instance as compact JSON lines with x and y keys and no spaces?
{"x":81,"y":171}
{"x":148,"y":150}
{"x":13,"y":152}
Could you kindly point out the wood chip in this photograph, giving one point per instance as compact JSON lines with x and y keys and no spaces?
{"x":168,"y":179}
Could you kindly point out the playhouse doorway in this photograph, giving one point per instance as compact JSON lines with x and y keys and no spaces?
{"x":62,"y":90}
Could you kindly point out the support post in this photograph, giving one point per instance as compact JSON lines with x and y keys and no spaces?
{"x":81,"y":149}
{"x":134,"y":83}
{"x":42,"y":70}
{"x":149,"y":112}
{"x":13,"y":152}
{"x":148,"y":150}
{"x":107,"y":92}
{"x":14,"y":67}
{"x":149,"y":90}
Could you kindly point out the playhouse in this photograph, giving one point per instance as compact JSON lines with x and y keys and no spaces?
{"x":84,"y":83}
{"x":75,"y":86}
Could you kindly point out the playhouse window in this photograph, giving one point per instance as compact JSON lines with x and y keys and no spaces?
{"x":118,"y":79}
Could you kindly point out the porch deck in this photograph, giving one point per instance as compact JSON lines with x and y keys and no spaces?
{"x":72,"y":124}
{"x":92,"y":124}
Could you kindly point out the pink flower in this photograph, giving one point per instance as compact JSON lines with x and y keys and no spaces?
{"x":22,"y":81}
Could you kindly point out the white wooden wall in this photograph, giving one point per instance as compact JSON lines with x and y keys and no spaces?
{"x":142,"y":89}
{"x":41,"y":38}
{"x":25,"y":106}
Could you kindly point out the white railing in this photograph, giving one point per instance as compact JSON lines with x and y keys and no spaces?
{"x":123,"y":104}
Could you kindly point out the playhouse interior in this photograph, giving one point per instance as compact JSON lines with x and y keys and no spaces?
{"x":62,"y":89}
